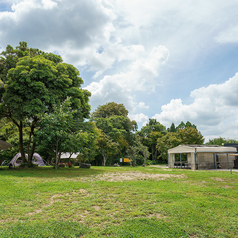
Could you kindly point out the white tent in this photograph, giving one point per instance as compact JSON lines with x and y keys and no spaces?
{"x":69,"y":155}
{"x":36,"y":160}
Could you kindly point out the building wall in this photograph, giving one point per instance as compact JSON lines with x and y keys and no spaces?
{"x":206,"y":161}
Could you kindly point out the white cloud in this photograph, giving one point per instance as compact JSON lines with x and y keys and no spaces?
{"x":124,"y":44}
{"x":108,"y":90}
{"x":213,"y":110}
{"x":142,"y":105}
{"x":139,"y":75}
{"x":229,"y":35}
{"x":75,"y":30}
{"x":139,"y":118}
{"x":48,"y":4}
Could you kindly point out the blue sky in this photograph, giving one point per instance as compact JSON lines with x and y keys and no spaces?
{"x":173,"y":60}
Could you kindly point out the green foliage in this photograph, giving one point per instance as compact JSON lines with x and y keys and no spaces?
{"x":109,"y":110}
{"x":135,"y":150}
{"x":172,"y":128}
{"x":116,"y":130}
{"x":186,"y":136}
{"x":220,"y":141}
{"x":106,"y":146}
{"x":9,"y":133}
{"x":190,"y":135}
{"x":182,"y":125}
{"x":37,"y":81}
{"x":62,"y":133}
{"x":168,"y":141}
{"x":150,"y":133}
{"x":89,"y":143}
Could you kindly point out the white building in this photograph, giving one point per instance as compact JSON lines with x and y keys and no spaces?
{"x":202,"y":157}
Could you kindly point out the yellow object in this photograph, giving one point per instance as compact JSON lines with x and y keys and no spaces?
{"x":126,"y":160}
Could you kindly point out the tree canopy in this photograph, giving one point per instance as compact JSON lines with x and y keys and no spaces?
{"x":150,"y":133}
{"x":37,"y":81}
{"x":109,"y":110}
{"x":116,"y":129}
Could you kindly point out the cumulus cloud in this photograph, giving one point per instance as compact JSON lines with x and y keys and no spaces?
{"x":139,"y":75}
{"x":125,"y":45}
{"x":143,"y":106}
{"x":139,"y":118}
{"x":76,"y":28}
{"x":213,"y":110}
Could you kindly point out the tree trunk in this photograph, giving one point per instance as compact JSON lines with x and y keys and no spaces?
{"x":20,"y":129}
{"x":23,"y":156}
{"x":30,"y":154}
{"x":104,"y":160}
{"x":56,"y":154}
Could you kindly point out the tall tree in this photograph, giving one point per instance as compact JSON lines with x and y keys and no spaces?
{"x":186,"y":136}
{"x":182,"y":125}
{"x":168,"y":141}
{"x":150,"y":133}
{"x":113,"y":136}
{"x":112,"y":119}
{"x":190,"y":135}
{"x":37,"y":81}
{"x":109,"y":110}
{"x":172,"y":128}
{"x":62,"y":132}
{"x":136,"y":149}
{"x":106,"y":147}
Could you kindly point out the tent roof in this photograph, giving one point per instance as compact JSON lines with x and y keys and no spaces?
{"x":67,"y":155}
{"x":201,"y":148}
{"x":4,"y":145}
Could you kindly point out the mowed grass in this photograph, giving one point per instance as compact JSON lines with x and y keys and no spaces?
{"x":118,"y":202}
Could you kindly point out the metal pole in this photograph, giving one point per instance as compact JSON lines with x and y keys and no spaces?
{"x":227,"y":161}
{"x":214,"y":160}
{"x":180,"y":161}
{"x":195,"y":161}
{"x":168,"y":158}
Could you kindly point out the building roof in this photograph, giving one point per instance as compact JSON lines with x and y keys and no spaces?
{"x":202,"y":148}
{"x":69,"y":155}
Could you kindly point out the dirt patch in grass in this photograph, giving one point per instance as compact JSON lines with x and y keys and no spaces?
{"x":128,"y":176}
{"x":52,"y":201}
{"x":227,"y":187}
{"x":218,"y":179}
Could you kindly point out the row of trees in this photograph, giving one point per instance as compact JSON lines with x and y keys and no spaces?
{"x":44,"y":109}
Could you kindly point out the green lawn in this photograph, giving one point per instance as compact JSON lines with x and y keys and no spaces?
{"x":118,"y":202}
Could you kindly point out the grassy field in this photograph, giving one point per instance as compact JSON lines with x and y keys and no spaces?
{"x":118,"y":202}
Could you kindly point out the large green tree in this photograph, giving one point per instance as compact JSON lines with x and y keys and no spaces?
{"x":34,"y":81}
{"x":185,"y":136}
{"x":116,"y":128}
{"x":150,"y":133}
{"x":168,"y":141}
{"x":190,"y":136}
{"x":62,"y":132}
{"x":110,"y":109}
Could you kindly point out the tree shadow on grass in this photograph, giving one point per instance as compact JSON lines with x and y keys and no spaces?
{"x":50,"y":172}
